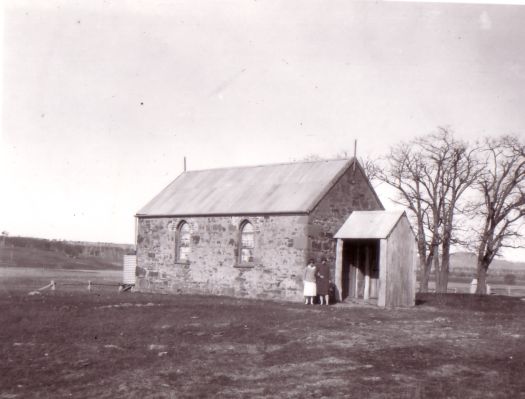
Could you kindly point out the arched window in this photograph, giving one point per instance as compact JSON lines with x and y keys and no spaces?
{"x":247,"y":242}
{"x":183,"y":241}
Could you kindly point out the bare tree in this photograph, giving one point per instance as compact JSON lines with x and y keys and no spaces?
{"x":502,"y":209}
{"x":370,"y":167}
{"x":430,"y":175}
{"x":404,"y":171}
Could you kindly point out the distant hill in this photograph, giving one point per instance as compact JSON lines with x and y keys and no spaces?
{"x":39,"y":252}
{"x":461,"y":260}
{"x":463,"y":265}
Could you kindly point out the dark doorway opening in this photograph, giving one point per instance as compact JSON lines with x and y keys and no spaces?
{"x":360,"y":274}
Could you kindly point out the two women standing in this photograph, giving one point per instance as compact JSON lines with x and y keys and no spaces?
{"x":317,"y":282}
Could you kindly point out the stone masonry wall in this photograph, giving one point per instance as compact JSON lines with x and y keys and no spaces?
{"x":280,"y":252}
{"x":350,"y":193}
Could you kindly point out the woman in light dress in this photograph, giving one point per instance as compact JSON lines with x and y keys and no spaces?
{"x":310,"y":288}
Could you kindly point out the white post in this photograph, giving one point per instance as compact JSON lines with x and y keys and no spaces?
{"x":415,"y":262}
{"x":339,"y":269}
{"x":366,"y":294}
{"x":473,"y":285}
{"x":381,"y":298}
{"x":357,"y":268}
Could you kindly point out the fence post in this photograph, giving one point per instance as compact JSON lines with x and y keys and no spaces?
{"x":89,"y":285}
{"x":53,"y":285}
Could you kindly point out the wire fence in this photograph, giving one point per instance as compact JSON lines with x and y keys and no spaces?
{"x":516,"y":291}
{"x":90,"y":286}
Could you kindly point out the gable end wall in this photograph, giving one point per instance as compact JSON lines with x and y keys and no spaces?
{"x":400,"y":281}
{"x":351,"y":192}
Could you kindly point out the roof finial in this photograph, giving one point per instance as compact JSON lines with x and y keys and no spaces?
{"x":355,"y":152}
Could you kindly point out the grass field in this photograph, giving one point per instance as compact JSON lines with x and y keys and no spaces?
{"x":38,"y":258}
{"x":105,"y":344}
{"x":30,"y":279}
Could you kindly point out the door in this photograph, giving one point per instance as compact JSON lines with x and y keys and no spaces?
{"x":347,"y":271}
{"x":374,"y":271}
{"x":360,"y":272}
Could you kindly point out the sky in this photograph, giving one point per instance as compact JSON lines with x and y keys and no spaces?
{"x":102,"y":100}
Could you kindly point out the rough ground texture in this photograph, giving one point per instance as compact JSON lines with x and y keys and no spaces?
{"x":108,"y":345}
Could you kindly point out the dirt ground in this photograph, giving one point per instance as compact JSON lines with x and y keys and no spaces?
{"x":130,"y":345}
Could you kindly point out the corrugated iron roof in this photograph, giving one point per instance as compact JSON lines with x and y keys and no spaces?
{"x":369,"y":224}
{"x":280,"y":188}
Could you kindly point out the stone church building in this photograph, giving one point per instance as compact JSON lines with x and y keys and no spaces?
{"x":247,"y":231}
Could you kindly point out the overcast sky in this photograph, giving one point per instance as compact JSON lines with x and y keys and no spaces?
{"x":101,"y":100}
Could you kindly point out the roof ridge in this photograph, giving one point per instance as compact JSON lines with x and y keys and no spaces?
{"x":381,"y":210}
{"x":284,"y":187}
{"x":270,"y":164}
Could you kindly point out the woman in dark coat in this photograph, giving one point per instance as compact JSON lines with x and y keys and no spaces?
{"x":323,"y":282}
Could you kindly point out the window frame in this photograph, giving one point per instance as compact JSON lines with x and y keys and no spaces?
{"x":178,"y":242}
{"x":240,"y":259}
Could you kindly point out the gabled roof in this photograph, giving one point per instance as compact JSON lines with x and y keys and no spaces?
{"x":369,"y":224}
{"x":279,"y":188}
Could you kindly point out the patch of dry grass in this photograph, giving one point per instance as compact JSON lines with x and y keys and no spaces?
{"x":132,"y":345}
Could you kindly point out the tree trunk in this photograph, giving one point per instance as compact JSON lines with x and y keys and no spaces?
{"x":485,"y":255}
{"x":424,"y":266}
{"x":424,"y":275}
{"x":444,"y":276}
{"x":481,"y":289}
{"x":437,"y":270}
{"x":444,"y":269}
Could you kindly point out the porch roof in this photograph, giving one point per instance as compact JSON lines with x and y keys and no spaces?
{"x":369,"y":224}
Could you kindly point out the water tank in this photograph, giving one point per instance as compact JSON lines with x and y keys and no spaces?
{"x":130,"y":264}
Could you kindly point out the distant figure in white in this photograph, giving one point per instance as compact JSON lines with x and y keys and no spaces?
{"x":310,"y":288}
{"x":474,"y":286}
